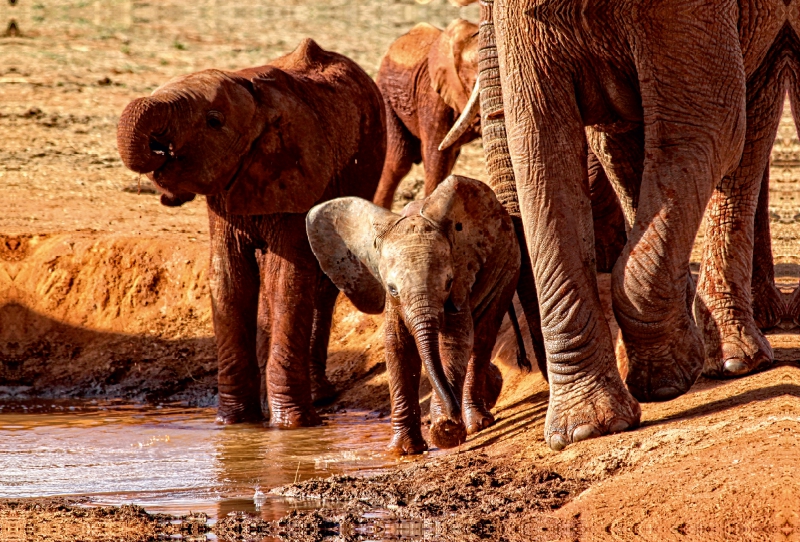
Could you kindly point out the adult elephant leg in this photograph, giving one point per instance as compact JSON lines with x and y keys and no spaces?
{"x":547,"y":148}
{"x":322,"y":391}
{"x":404,"y":367}
{"x":501,"y":174}
{"x":402,"y":150}
{"x":690,"y":145}
{"x":234,"y":282}
{"x":768,"y":305}
{"x":263,"y":340}
{"x":607,"y":217}
{"x":293,"y":285}
{"x":734,"y":345}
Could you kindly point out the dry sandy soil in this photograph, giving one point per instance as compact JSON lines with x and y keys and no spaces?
{"x":103,"y":293}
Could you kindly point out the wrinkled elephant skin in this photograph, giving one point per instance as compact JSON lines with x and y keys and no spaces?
{"x":446,"y":269}
{"x":264,"y":145}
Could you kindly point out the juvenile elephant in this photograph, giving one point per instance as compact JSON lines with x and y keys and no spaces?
{"x":425,"y":77}
{"x":449,"y":263}
{"x":263,"y":145}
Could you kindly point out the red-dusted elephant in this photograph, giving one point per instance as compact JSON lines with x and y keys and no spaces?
{"x":264,"y":145}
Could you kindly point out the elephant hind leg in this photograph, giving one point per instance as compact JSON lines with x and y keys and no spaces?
{"x":322,"y":391}
{"x":768,"y":306}
{"x":402,"y":150}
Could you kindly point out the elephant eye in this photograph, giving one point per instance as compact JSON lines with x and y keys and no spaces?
{"x":448,"y":284}
{"x":392,"y":289}
{"x":215,"y":120}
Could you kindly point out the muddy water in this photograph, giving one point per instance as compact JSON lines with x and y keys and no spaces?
{"x":173,"y":459}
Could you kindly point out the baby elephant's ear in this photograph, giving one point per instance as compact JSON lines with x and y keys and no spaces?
{"x":343,"y":234}
{"x":467,"y":210}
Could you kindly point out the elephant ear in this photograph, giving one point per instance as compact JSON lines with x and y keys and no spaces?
{"x":453,"y":63}
{"x":290,"y":162}
{"x":345,"y":234}
{"x":477,"y":225}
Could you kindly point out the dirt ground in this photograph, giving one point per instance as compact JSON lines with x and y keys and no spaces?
{"x":103,"y":293}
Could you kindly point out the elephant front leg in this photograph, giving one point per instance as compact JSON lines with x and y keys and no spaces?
{"x":547,"y":145}
{"x":402,"y":150}
{"x":404,"y":367}
{"x":734,"y":345}
{"x":233,"y":277}
{"x":768,"y":306}
{"x":293,"y":282}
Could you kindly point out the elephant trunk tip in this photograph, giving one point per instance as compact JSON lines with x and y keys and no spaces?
{"x":448,"y":433}
{"x":140,"y":148}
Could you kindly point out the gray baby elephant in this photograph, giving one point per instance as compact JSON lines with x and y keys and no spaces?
{"x":449,"y":263}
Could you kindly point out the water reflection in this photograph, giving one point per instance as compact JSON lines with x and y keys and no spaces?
{"x":174,"y":459}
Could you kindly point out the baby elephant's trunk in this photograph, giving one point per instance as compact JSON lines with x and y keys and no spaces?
{"x":447,"y":430}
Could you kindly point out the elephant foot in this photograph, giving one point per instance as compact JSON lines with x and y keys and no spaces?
{"x":664,"y":365}
{"x":477,"y":419}
{"x":293,"y":418}
{"x":793,"y":310}
{"x":588,"y":408}
{"x":768,"y":306}
{"x":447,"y":433}
{"x":744,"y":349}
{"x":322,"y":391}
{"x":228,"y":416}
{"x":407,"y":443}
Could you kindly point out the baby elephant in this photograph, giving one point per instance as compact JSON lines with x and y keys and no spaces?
{"x":449,"y":263}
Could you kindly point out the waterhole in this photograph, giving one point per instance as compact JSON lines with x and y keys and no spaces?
{"x":173,"y":459}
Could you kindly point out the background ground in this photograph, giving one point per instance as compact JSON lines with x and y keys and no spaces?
{"x":103,"y":291}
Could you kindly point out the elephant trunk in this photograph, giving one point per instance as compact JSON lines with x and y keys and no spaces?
{"x":141,"y":136}
{"x":447,"y":430}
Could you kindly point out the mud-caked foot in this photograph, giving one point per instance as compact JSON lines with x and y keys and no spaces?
{"x":793,"y":310}
{"x":663,"y":366}
{"x":293,"y":418}
{"x":768,"y":306}
{"x":322,"y":391}
{"x":407,"y":444}
{"x":447,"y":433}
{"x":589,"y":408}
{"x":743,"y":349}
{"x":477,"y":418}
{"x":231,"y":412}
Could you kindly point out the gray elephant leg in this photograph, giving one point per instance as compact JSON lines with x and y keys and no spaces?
{"x":684,"y":161}
{"x":234,"y":282}
{"x":547,"y":145}
{"x":404,"y":366}
{"x":734,"y":344}
{"x":322,"y":390}
{"x":768,"y":305}
{"x":402,"y":151}
{"x":293,"y":283}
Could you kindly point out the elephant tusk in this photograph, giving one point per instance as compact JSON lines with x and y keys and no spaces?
{"x":471,"y":110}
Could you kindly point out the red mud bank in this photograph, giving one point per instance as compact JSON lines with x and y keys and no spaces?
{"x":87,"y":314}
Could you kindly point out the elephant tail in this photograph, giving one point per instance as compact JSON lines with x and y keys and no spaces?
{"x":523,"y":363}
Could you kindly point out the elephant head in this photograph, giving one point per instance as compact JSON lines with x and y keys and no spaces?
{"x":246,"y":137}
{"x":453,"y":63}
{"x":426,"y":259}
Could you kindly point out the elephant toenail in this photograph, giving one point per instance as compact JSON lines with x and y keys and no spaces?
{"x":734,"y":367}
{"x":557,"y":442}
{"x":585,"y":432}
{"x":666,"y":393}
{"x":618,"y":426}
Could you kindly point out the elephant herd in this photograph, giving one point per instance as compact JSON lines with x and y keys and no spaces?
{"x":610,"y":129}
